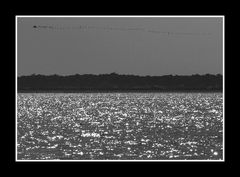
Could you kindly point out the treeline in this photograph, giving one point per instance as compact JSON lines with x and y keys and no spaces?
{"x":116,"y":82}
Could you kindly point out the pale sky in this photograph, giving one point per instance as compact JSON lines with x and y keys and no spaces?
{"x":192,"y":46}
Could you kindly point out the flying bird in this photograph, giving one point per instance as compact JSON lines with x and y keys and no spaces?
{"x":86,"y":27}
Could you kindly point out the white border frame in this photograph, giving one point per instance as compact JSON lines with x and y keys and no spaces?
{"x":120,"y":16}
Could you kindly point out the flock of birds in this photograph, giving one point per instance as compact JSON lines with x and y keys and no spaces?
{"x":87,"y":27}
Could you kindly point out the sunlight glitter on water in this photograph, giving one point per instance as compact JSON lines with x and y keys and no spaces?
{"x":120,"y":126}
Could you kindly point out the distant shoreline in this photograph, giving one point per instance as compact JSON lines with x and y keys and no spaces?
{"x":114,"y":82}
{"x":120,"y":91}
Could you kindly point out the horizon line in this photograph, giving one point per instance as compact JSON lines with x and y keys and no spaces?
{"x":115,"y":73}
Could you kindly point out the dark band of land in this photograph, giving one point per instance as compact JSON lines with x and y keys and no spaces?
{"x":120,"y":83}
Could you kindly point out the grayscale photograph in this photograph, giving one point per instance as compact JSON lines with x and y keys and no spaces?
{"x":119,"y":88}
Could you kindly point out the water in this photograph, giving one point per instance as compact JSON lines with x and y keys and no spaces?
{"x":120,"y":126}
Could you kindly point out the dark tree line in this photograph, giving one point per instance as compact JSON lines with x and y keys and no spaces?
{"x":113,"y":81}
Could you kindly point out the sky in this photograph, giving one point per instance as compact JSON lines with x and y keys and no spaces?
{"x":125,"y":45}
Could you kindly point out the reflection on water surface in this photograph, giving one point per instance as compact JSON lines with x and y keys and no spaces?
{"x":125,"y":126}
